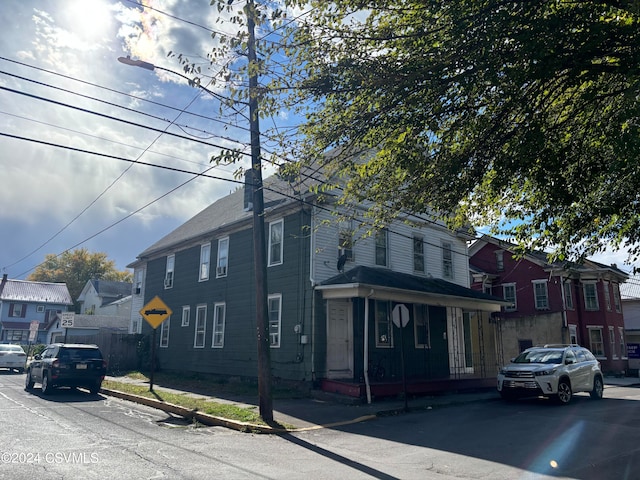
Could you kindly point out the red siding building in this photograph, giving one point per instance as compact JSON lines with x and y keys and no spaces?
{"x":560,"y":302}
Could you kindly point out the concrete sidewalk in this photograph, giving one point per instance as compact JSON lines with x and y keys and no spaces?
{"x":324,"y":411}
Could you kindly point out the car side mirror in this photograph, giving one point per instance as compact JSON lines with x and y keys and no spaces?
{"x":37,"y":356}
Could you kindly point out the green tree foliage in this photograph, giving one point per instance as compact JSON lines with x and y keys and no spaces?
{"x":522,"y":115}
{"x":77,"y":267}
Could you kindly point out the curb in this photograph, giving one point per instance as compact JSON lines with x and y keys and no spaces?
{"x":204,"y":418}
{"x":214,"y":421}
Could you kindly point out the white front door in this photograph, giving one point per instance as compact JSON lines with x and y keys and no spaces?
{"x":339,"y":339}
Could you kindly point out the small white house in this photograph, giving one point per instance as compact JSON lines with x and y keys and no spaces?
{"x":105,"y":297}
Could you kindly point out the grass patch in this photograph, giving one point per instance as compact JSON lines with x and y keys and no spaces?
{"x":224,"y":410}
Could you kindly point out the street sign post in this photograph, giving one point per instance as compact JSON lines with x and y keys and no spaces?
{"x":67,"y":319}
{"x":33,"y":330}
{"x":66,"y":322}
{"x":154,"y":312}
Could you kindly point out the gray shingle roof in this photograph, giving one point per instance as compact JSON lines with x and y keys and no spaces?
{"x":109,"y":288}
{"x":228,"y":212}
{"x":38,"y":292}
{"x":403,"y":281}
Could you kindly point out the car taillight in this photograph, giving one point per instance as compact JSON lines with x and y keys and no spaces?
{"x":55,"y":363}
{"x":104,"y":364}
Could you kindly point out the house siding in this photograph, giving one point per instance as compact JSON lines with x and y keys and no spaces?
{"x":238,"y":356}
{"x":551,"y":325}
{"x":400,"y":246}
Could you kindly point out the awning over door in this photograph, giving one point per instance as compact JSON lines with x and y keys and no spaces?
{"x":383,"y":284}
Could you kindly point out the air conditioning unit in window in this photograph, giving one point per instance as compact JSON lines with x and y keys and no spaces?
{"x":168,"y":282}
{"x":221,"y":271}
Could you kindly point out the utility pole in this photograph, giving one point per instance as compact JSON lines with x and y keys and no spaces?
{"x":259,"y":243}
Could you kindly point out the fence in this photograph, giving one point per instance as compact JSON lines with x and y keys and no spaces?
{"x":120,"y":350}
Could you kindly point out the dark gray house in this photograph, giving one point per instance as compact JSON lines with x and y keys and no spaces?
{"x":338,"y":294}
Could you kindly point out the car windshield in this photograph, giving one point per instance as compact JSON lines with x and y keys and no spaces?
{"x":539,"y":356}
{"x":79,"y":354}
{"x":11,"y":348}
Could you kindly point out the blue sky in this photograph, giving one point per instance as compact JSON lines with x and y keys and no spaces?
{"x":52,"y":198}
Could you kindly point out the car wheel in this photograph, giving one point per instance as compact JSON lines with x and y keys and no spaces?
{"x":564,"y":392}
{"x":46,"y":388}
{"x":95,"y":389}
{"x":598,"y":388}
{"x":28,"y":381}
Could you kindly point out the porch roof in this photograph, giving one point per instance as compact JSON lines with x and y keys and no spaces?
{"x":383,"y":284}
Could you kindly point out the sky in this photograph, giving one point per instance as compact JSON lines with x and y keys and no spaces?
{"x":86,"y":159}
{"x":80,"y":148}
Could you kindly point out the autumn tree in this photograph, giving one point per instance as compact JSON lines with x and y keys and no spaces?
{"x":75,"y":268}
{"x":520,"y":115}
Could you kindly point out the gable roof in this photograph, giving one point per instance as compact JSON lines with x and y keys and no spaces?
{"x":364,"y":281}
{"x":541,"y":258}
{"x":109,"y":290}
{"x":227,"y":212}
{"x":35,"y":292}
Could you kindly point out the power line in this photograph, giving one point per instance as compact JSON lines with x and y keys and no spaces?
{"x":121,"y":120}
{"x":102,"y":193}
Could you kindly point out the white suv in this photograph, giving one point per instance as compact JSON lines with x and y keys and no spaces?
{"x":553,"y":371}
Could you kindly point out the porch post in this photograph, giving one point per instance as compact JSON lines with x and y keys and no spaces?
{"x":366,"y":347}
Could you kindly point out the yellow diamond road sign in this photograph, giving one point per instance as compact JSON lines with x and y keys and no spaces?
{"x":155,"y":312}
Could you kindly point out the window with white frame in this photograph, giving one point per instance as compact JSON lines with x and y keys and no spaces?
{"x":40,"y":309}
{"x":590,"y":296}
{"x":382,"y":248}
{"x":616,"y":297}
{"x":345,"y":244}
{"x":384,"y":329}
{"x":596,"y":343}
{"x":276,"y":231}
{"x":612,"y":342}
{"x":275,"y":312}
{"x":447,"y":260}
{"x":607,"y":296}
{"x":186,"y":315}
{"x":499,"y":260}
{"x":541,"y":294}
{"x":418,"y":253}
{"x":223,"y":257}
{"x":138,"y":282}
{"x":568,"y":295}
{"x":421,"y":326}
{"x":622,"y":344}
{"x":509,"y":294}
{"x":17,"y":310}
{"x":201,"y":326}
{"x":219,"y":310}
{"x":136,"y":325}
{"x":205,"y":262}
{"x":164,"y":333}
{"x":573,"y":334}
{"x":168,"y":276}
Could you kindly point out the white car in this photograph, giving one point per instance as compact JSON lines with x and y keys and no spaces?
{"x":13,"y":357}
{"x":556,"y":371}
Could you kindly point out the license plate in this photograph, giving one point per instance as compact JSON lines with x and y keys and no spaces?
{"x":519,"y":384}
{"x":81,"y":366}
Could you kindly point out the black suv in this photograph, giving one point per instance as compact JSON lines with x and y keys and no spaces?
{"x":67,"y":365}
